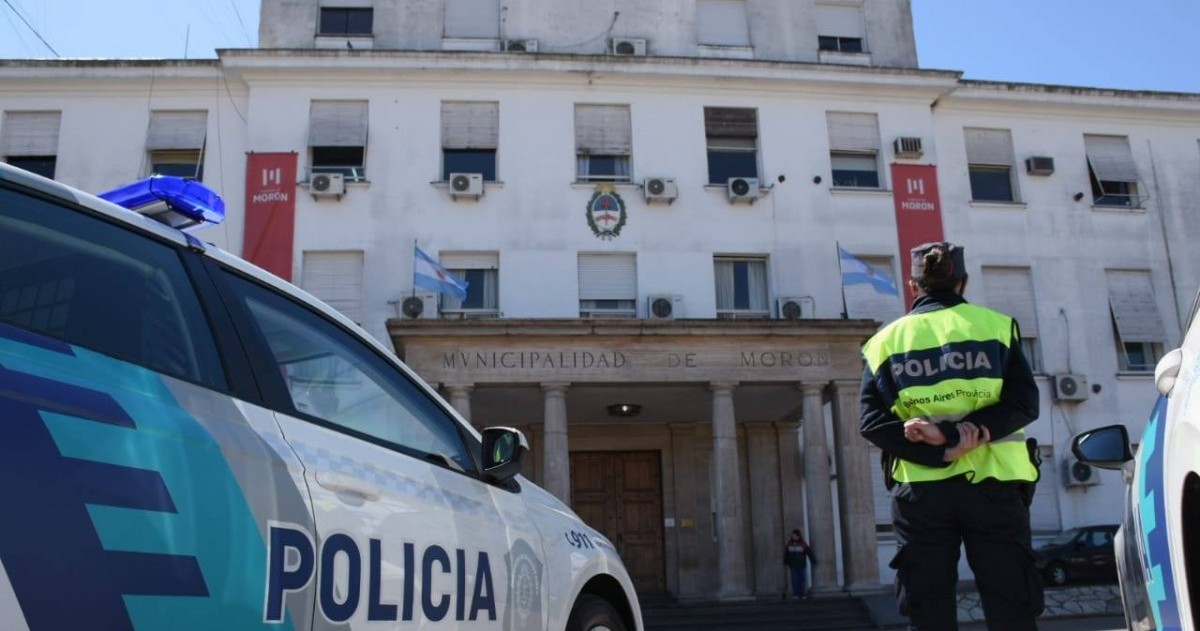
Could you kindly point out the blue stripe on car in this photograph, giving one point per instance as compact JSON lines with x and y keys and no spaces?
{"x":130,"y":516}
{"x":1152,"y":512}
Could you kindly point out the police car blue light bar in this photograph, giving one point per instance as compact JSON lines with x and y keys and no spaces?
{"x":193,"y":200}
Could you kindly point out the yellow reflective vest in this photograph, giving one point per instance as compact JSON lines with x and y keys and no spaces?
{"x":945,"y":364}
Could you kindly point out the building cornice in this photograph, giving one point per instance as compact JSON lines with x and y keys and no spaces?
{"x":279,"y":64}
{"x":971,"y":94}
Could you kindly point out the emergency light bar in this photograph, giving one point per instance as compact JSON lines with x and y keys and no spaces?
{"x":196,"y":203}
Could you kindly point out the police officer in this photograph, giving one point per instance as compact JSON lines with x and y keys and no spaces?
{"x":945,"y":395}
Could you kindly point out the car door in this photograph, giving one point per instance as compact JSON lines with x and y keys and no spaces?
{"x":138,"y":476}
{"x":407,"y":531}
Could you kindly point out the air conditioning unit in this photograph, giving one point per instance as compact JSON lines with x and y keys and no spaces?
{"x":908,"y":147}
{"x":1076,"y":473}
{"x":628,"y":46}
{"x":1070,"y":387}
{"x":521,"y":45}
{"x":796,"y":308}
{"x":1039,"y":165}
{"x":422,"y":305}
{"x":742,"y":189}
{"x":327,"y":185}
{"x":664,"y":307}
{"x":466,"y":185}
{"x":660,"y":189}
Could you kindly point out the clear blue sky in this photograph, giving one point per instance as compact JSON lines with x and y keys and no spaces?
{"x":1130,"y":44}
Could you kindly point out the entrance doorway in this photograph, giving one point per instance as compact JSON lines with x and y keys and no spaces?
{"x":620,"y":494}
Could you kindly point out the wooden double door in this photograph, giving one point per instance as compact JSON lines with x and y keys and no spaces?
{"x":620,"y":494}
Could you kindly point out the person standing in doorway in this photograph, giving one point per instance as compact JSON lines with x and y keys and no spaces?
{"x":796,"y":553}
{"x":946,"y":394}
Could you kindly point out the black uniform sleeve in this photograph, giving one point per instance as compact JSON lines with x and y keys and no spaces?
{"x":1018,"y":404}
{"x":884,"y":429}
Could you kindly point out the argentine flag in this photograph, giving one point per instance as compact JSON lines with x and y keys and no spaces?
{"x":856,"y":272}
{"x":428,"y":274}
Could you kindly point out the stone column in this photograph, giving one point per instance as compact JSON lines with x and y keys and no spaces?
{"x":791,"y":477}
{"x":460,"y":399}
{"x":727,"y":485}
{"x":855,"y":493}
{"x":556,"y":471}
{"x":766,"y":517}
{"x":819,"y":505}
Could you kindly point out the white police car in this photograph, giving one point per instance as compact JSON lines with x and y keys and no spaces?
{"x":1158,"y":544}
{"x":187,"y":442}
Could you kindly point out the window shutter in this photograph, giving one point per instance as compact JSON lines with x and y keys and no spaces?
{"x":472,"y":19}
{"x":1009,"y":290}
{"x":607,"y":277}
{"x":730,"y":122}
{"x":1131,"y":297}
{"x":1111,"y":159}
{"x":470,"y":260}
{"x":863,"y":301}
{"x":337,"y":279}
{"x":177,"y":130}
{"x":31,"y":133}
{"x":989,"y":146}
{"x":602,"y":130}
{"x":470,"y":125}
{"x":839,"y":20}
{"x":853,"y":132}
{"x":722,"y":23}
{"x":337,"y":124}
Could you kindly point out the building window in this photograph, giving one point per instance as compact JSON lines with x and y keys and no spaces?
{"x":175,"y":143}
{"x":732,"y":135}
{"x":840,"y":44}
{"x":840,"y":28}
{"x":42,"y":165}
{"x":990,"y":164}
{"x":481,"y":270}
{"x":336,"y":278}
{"x":741,"y":287}
{"x":1112,"y":171}
{"x":472,"y":19}
{"x":722,"y":23}
{"x":854,"y":149}
{"x":337,"y":138}
{"x":29,"y":140}
{"x":1009,"y":290}
{"x":470,"y":135}
{"x":340,"y":21}
{"x":607,"y":285}
{"x":603,"y":143}
{"x":1137,"y":322}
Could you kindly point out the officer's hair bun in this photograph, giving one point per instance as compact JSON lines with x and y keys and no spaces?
{"x":938,"y":265}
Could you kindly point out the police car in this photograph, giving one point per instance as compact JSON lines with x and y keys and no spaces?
{"x":187,"y":442}
{"x":1158,"y":544}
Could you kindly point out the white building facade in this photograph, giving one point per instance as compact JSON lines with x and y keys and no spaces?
{"x":648,"y":201}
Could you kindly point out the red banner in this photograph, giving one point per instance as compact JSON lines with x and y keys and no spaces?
{"x":270,"y":211}
{"x":918,"y":212}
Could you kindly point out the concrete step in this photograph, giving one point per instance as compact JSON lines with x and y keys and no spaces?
{"x":819,"y":614}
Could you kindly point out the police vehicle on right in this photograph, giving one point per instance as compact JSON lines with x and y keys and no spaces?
{"x":1158,"y":543}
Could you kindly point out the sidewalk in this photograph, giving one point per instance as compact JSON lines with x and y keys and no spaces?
{"x":1090,"y":601}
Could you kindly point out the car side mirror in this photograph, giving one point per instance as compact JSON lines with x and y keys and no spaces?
{"x":1105,"y":447}
{"x":1167,"y":370}
{"x":503,"y":450}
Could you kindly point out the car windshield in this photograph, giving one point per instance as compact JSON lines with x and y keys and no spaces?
{"x":1066,"y":537}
